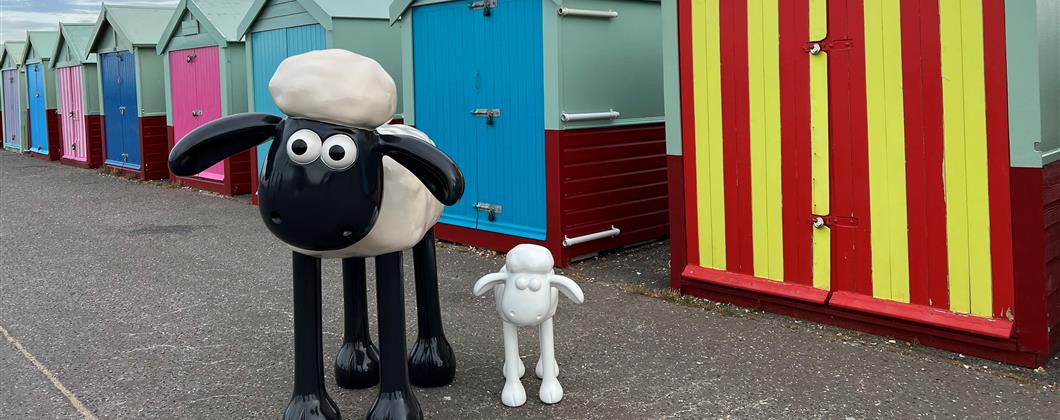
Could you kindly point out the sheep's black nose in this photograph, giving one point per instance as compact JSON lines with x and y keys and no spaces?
{"x":276,"y":219}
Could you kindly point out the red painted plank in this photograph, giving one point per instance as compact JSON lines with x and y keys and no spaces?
{"x":795,"y":141}
{"x":923,"y":314}
{"x":688,"y":131}
{"x":154,"y":148}
{"x":759,"y":285}
{"x":925,"y":186}
{"x":851,"y":257}
{"x":678,"y":246}
{"x":736,"y":136}
{"x":997,"y":144}
{"x":1029,"y":258}
{"x":592,"y":184}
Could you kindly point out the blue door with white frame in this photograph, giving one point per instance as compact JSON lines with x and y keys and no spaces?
{"x":268,"y":49}
{"x":480,"y":96}
{"x":120,"y":117}
{"x":38,"y":113}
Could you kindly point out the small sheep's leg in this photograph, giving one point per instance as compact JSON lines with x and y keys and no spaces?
{"x":432,"y":361}
{"x":396,"y":399}
{"x":310,"y":398}
{"x":551,"y":391}
{"x":513,"y":394}
{"x":357,"y":362}
{"x":540,"y":372}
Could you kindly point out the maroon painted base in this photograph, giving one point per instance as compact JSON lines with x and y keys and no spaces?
{"x":236,"y":179}
{"x":94,"y":142}
{"x":154,"y":150}
{"x":55,"y":136}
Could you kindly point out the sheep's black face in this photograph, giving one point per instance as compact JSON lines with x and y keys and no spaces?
{"x":321,"y":186}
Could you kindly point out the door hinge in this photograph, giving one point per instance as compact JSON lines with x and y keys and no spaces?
{"x":492,"y":210}
{"x":489,"y":113}
{"x":816,"y":47}
{"x":819,"y":222}
{"x":485,"y":5}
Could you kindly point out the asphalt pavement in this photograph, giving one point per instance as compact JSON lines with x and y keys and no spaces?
{"x":126,"y":299}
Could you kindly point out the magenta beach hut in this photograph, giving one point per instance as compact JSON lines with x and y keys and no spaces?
{"x":76,"y":80}
{"x":205,"y":78}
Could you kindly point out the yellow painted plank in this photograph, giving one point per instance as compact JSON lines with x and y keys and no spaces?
{"x":710,"y":176}
{"x":955,"y":164}
{"x":819,"y":147}
{"x":764,"y":98}
{"x":980,"y":283}
{"x":886,"y":137}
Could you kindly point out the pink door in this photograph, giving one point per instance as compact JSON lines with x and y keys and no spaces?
{"x":71,"y":113}
{"x":195,"y":79}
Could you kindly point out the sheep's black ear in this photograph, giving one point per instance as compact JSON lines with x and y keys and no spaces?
{"x":221,"y":138}
{"x":437,"y":171}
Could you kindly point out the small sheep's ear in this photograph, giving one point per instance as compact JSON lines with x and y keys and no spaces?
{"x":488,"y":282}
{"x":569,"y":288}
{"x":219,"y":139}
{"x":435,"y":169}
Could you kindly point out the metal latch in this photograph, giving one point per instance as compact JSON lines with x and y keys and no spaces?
{"x":489,"y":113}
{"x":196,"y":112}
{"x":492,"y":210}
{"x":121,"y":109}
{"x":73,"y":147}
{"x":124,"y":157}
{"x":190,"y":57}
{"x":820,"y":222}
{"x":485,"y":5}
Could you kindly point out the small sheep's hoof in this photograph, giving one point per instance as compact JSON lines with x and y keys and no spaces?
{"x":432,"y":362}
{"x":395,"y":405}
{"x":551,"y":391}
{"x":539,"y":370}
{"x":357,"y":365}
{"x":311,"y":406}
{"x":513,"y":394}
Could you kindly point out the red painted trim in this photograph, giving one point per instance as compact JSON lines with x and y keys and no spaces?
{"x":488,"y":240}
{"x":997,"y":154}
{"x":688,"y":135}
{"x":236,"y":177}
{"x":154,"y":149}
{"x":254,"y":176}
{"x":1004,"y":350}
{"x":925,"y":188}
{"x":796,"y":179}
{"x":923,"y":314}
{"x":678,"y":242}
{"x":755,"y":284}
{"x":553,"y":177}
{"x":1028,"y":232}
{"x":736,"y":134}
{"x":851,"y":259}
{"x":55,"y":136}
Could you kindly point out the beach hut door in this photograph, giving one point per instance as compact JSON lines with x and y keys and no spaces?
{"x":71,"y":114}
{"x":196,"y":82}
{"x":11,"y":123}
{"x":120,"y":113}
{"x":38,"y":127}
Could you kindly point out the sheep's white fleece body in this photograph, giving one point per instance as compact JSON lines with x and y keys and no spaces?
{"x":407,"y":213}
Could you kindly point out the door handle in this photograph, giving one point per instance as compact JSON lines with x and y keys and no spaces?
{"x":489,"y":113}
{"x":485,"y":5}
{"x":121,"y":109}
{"x":196,"y":113}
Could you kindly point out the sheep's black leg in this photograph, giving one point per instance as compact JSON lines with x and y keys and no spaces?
{"x":310,"y":398}
{"x":432,"y":362}
{"x":357,"y":363}
{"x":396,"y":399}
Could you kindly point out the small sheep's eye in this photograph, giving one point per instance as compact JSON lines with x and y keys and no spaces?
{"x":303,"y":147}
{"x":340,"y":152}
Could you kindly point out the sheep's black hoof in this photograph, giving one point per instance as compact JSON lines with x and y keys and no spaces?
{"x":310,"y":406}
{"x":357,"y":365}
{"x":432,"y":362}
{"x":396,"y":405}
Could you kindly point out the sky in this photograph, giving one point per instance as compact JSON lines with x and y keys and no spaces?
{"x":19,"y":16}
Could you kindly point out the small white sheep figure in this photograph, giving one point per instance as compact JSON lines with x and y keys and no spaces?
{"x":527,"y":293}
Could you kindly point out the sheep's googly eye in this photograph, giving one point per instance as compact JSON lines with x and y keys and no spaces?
{"x":535,"y":284}
{"x":520,"y":282}
{"x":303,"y":147}
{"x":339,"y":152}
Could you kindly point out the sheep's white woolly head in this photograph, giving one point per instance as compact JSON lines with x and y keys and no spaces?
{"x":529,"y":258}
{"x":335,"y":86}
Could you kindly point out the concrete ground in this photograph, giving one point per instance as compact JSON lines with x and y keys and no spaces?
{"x":122,"y":299}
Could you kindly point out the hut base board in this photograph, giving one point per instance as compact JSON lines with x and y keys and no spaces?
{"x":236,"y":180}
{"x":94,"y":142}
{"x":1029,"y":340}
{"x":154,"y":157}
{"x":55,"y":137}
{"x":588,"y":192}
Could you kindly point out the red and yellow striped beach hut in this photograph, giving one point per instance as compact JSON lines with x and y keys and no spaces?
{"x":879,"y":164}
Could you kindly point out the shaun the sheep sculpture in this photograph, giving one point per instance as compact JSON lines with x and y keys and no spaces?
{"x":339,"y":183}
{"x":527,"y":293}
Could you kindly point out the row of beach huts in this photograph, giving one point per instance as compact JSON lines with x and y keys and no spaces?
{"x":889,"y":166}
